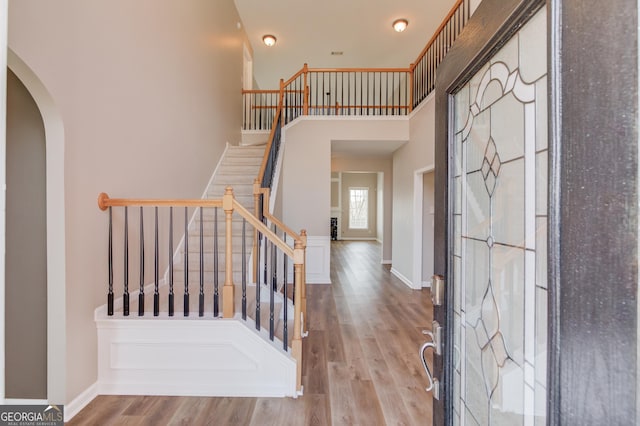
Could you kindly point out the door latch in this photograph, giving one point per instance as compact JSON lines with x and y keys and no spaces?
{"x":437,"y":290}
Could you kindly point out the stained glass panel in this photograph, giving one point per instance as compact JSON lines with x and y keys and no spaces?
{"x":500,"y":203}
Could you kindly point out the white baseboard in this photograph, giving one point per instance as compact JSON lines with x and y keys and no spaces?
{"x":426,"y":284}
{"x":79,"y":402}
{"x":21,"y":401}
{"x":404,"y":279}
{"x":385,"y":262}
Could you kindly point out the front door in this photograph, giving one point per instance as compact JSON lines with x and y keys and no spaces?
{"x":494,"y":317}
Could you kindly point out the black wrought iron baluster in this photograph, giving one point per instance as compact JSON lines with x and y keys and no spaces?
{"x":266,"y":255}
{"x":201,"y":295}
{"x":258,"y":263}
{"x":368,"y":93}
{"x":272,"y":287}
{"x":393,"y":94}
{"x":156,"y":269}
{"x":259,"y":111}
{"x":186,"y":263}
{"x":285,"y":303}
{"x":216,"y":295}
{"x":380,"y":93}
{"x":141,"y":293}
{"x":244,"y":269}
{"x":125,"y":295}
{"x":171,"y":293}
{"x":110,"y":262}
{"x":342,"y":103}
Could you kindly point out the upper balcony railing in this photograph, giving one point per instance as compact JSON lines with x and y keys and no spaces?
{"x":356,"y":91}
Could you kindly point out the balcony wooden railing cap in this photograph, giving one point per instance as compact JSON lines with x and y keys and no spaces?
{"x":104,"y":202}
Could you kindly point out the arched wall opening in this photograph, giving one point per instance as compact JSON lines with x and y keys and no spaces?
{"x":55,"y":226}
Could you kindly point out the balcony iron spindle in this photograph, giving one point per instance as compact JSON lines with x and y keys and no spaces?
{"x":171,"y":293}
{"x":201,"y":295}
{"x":285,"y":304}
{"x":141,"y":293}
{"x":244,"y":268}
{"x":110,"y":264}
{"x":125,"y":295}
{"x":216,"y":295}
{"x":258,"y":285}
{"x":156,"y":269}
{"x":186,"y":263}
{"x":272,"y":290}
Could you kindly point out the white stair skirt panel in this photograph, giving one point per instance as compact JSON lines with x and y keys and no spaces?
{"x":190,"y":357}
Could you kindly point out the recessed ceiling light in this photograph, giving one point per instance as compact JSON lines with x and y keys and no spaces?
{"x":400,"y":25}
{"x":269,"y":40}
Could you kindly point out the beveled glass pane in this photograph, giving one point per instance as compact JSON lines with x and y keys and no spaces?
{"x":541,"y":252}
{"x":462,"y":108}
{"x":541,"y":335}
{"x":476,"y":141}
{"x":508,"y":403}
{"x":508,"y":54}
{"x":492,"y":93}
{"x":457,"y":155}
{"x":476,"y":396}
{"x":533,"y":48}
{"x":540,"y":405}
{"x":541,"y":183}
{"x":476,"y":273}
{"x":477,"y":207}
{"x":457,"y":284}
{"x":507,"y":276}
{"x":541,"y":114}
{"x":507,"y":129}
{"x":508,"y":205}
{"x":457,"y":199}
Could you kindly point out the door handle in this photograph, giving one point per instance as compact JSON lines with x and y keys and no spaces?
{"x":434,"y":384}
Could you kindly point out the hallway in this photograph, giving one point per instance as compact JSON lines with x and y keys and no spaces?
{"x":361,"y":363}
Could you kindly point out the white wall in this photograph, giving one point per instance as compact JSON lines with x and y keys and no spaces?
{"x":307,"y":164}
{"x":148,"y":93}
{"x":417,"y":154}
{"x":306,"y":185}
{"x":384,"y":167}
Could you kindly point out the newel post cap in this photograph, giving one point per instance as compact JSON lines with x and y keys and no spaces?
{"x":102,"y":201}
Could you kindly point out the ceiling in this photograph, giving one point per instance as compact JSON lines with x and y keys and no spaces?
{"x":308,"y":31}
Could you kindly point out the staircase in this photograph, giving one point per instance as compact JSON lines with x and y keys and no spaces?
{"x":193,"y":355}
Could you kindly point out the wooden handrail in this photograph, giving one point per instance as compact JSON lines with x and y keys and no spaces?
{"x":104,"y":201}
{"x":265,"y":158}
{"x":264,"y":230}
{"x":282,"y":226}
{"x":358,"y":106}
{"x":358,"y":70}
{"x":271,"y":91}
{"x":444,"y":22}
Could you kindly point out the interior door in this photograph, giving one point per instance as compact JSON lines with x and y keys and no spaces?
{"x":492,"y":255}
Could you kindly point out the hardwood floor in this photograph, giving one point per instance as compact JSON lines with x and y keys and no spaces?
{"x":360,"y":366}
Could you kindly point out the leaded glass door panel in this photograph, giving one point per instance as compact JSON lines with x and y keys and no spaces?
{"x":498,"y":220}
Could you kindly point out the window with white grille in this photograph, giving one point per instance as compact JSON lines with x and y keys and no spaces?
{"x":358,"y":208}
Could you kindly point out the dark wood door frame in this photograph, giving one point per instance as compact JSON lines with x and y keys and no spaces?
{"x":593,"y":199}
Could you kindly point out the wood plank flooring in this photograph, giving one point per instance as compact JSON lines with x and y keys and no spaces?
{"x":360,"y":367}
